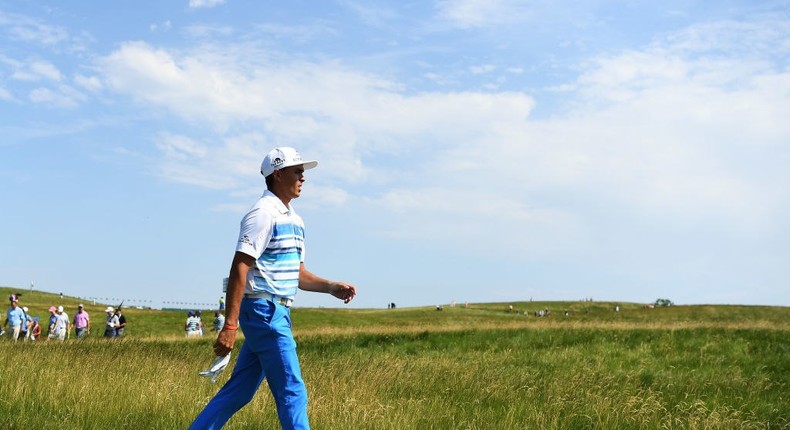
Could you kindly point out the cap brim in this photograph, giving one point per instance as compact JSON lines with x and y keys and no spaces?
{"x":306,"y":164}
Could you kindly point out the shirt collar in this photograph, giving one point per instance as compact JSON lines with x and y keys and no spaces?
{"x":277,"y":202}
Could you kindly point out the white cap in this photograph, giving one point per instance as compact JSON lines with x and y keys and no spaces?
{"x":284,"y":156}
{"x":109,"y":309}
{"x":60,"y":308}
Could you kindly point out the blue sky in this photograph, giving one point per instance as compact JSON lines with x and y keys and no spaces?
{"x":470,"y":150}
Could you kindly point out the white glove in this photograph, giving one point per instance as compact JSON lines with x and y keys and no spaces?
{"x":219,"y":364}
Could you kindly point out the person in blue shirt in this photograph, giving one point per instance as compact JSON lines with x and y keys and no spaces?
{"x":53,"y":321}
{"x":15,"y":317}
{"x":219,"y":321}
{"x":28,"y":321}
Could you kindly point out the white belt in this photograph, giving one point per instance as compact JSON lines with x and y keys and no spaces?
{"x":268,"y":296}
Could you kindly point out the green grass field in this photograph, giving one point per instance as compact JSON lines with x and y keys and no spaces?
{"x":683,"y":367}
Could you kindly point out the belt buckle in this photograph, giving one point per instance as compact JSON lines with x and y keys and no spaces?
{"x":283,"y":301}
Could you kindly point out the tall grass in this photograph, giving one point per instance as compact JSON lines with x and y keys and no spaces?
{"x":706,"y":367}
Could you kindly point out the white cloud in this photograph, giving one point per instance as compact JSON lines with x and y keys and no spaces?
{"x":483,"y":69}
{"x":371,"y":15}
{"x":181,"y":148}
{"x":35,"y":71}
{"x":482,"y":13}
{"x":297,"y":34}
{"x":62,"y":97}
{"x":45,"y":70}
{"x":659,"y":135}
{"x":673,"y":131}
{"x":440,"y":79}
{"x":163,"y":26}
{"x":215,"y":165}
{"x":5,"y":95}
{"x":205,"y":4}
{"x":27,"y":29}
{"x":90,"y":83}
{"x":208,"y":31}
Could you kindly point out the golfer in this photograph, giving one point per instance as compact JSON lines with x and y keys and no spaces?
{"x":267,"y":269}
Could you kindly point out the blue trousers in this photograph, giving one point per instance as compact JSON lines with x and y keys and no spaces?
{"x":269,"y":351}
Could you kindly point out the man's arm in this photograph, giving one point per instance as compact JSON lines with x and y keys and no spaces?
{"x":238,"y":277}
{"x":311,"y":282}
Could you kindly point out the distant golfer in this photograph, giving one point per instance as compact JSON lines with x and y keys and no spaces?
{"x":267,"y":269}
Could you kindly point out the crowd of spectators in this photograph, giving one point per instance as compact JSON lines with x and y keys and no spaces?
{"x":193,"y":326}
{"x":21,"y":325}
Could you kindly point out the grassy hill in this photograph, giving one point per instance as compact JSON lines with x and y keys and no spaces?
{"x":475,"y":367}
{"x":147,"y":323}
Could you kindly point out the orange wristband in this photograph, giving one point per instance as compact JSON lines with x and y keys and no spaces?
{"x":229,"y":327}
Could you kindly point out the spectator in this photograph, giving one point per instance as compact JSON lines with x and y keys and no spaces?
{"x":82,"y":322}
{"x":15,"y":317}
{"x":35,"y":330}
{"x":25,"y":330}
{"x":192,"y":326}
{"x":112,"y":323}
{"x":53,"y":319}
{"x":219,"y":321}
{"x":221,"y":303}
{"x":62,"y":324}
{"x":200,"y":322}
{"x":119,"y":329}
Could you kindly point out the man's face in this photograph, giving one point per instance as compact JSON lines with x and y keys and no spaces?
{"x":291,"y":179}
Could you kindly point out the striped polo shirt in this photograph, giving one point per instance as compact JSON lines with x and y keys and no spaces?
{"x":273,"y":234}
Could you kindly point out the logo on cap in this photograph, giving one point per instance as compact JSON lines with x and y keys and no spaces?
{"x":277,"y":162}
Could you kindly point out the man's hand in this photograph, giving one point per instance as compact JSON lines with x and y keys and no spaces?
{"x":342,"y":291}
{"x":224,"y":342}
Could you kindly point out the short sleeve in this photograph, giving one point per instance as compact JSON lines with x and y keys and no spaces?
{"x":255,"y":232}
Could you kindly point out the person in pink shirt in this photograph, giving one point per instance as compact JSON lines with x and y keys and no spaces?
{"x":82,"y":323}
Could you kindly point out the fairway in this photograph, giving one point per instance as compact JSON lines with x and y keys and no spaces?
{"x":475,"y":367}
